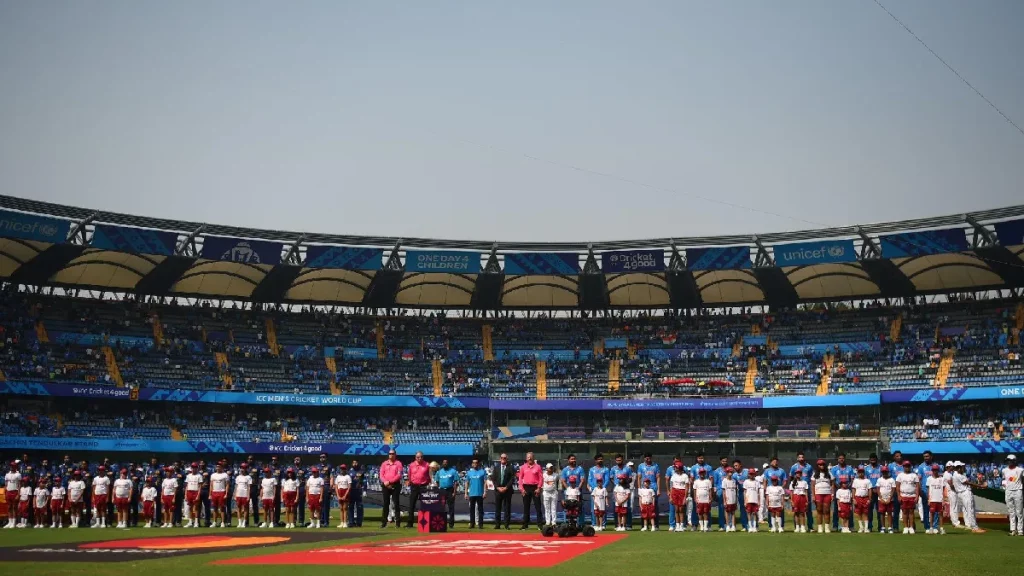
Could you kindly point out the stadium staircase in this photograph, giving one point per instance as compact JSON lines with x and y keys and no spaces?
{"x":272,"y":337}
{"x":380,"y":339}
{"x":333,"y":367}
{"x":945,"y":364}
{"x":755,"y":329}
{"x":614,"y":370}
{"x":176,"y":434}
{"x":438,"y":376}
{"x":598,"y":347}
{"x":737,"y":348}
{"x":388,"y":437}
{"x":202,"y":333}
{"x":826,"y":375}
{"x":748,"y":383}
{"x":542,"y":380}
{"x":231,"y":335}
{"x":630,"y":350}
{"x":488,"y":343}
{"x":895,"y":328}
{"x":1020,"y":324}
{"x":112,"y":369}
{"x":222,"y":365}
{"x":41,"y":334}
{"x":158,"y":330}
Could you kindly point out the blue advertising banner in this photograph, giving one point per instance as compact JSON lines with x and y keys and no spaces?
{"x":633,"y":261}
{"x":98,"y":340}
{"x":580,"y":405}
{"x":684,"y":353}
{"x":1010,"y":233}
{"x":960,"y":447}
{"x":239,"y":250}
{"x":808,"y":253}
{"x":864,"y":399}
{"x":202,"y":447}
{"x":565,"y":263}
{"x":137,"y":240}
{"x":791,"y":350}
{"x":727,"y":258}
{"x":953,"y":394}
{"x":925,"y":243}
{"x":32,"y":227}
{"x":544,"y":354}
{"x":685,"y":404}
{"x":344,"y":257}
{"x":362,"y":353}
{"x":615,"y":343}
{"x":442,"y":261}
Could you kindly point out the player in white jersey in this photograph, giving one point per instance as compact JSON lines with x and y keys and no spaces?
{"x":268,"y":488}
{"x":100,"y":495}
{"x":168,"y":491}
{"x":1013,"y":496}
{"x":122,"y":496}
{"x":909,"y":486}
{"x":951,"y":500}
{"x":646,"y":497}
{"x":775,"y":498}
{"x":862,"y":490}
{"x":703,"y":494}
{"x":148,"y":496}
{"x":799,"y":491}
{"x":219,"y":481}
{"x":12,"y":484}
{"x":193,"y":485}
{"x":962,"y":486}
{"x":549,"y":494}
{"x":76,"y":498}
{"x":730,"y":495}
{"x":314,"y":492}
{"x":679,"y":487}
{"x":751,"y":499}
{"x":936,"y":498}
{"x":290,"y":497}
{"x":885,"y":488}
{"x":24,"y":503}
{"x":242,"y":495}
{"x":41,"y":499}
{"x":58,"y":503}
{"x":343,"y":490}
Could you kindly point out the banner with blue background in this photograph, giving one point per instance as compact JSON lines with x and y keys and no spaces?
{"x":135,"y":240}
{"x":1010,"y":233}
{"x":808,"y":253}
{"x":954,"y":394}
{"x":97,"y":340}
{"x":240,"y":250}
{"x":442,"y":261}
{"x":633,"y":261}
{"x":924,"y":243}
{"x":563,"y":263}
{"x":960,"y":447}
{"x":727,"y":258}
{"x":32,"y":227}
{"x":344,"y":257}
{"x":791,"y":350}
{"x":209,"y":447}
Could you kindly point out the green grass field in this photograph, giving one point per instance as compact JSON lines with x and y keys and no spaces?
{"x":958,"y":552}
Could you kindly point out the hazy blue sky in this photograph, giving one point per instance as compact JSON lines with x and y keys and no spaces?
{"x":415,"y":118}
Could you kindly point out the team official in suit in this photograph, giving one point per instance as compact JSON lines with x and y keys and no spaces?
{"x":503,"y":477}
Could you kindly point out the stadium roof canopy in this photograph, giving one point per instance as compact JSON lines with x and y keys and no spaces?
{"x":46,"y":244}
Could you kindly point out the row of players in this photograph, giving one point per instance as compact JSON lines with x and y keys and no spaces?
{"x":167,"y":495}
{"x":834,"y":494}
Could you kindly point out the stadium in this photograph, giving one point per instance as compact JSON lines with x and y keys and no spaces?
{"x":148,"y":346}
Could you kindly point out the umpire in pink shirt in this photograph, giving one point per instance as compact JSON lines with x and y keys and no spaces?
{"x":530,"y":478}
{"x":419,"y":478}
{"x":390,"y":487}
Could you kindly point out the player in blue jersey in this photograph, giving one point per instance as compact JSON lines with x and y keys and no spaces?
{"x":773,"y":471}
{"x":895,"y":467}
{"x":716,"y":477}
{"x":739,"y":474}
{"x":872,"y":471}
{"x":924,"y":471}
{"x":806,"y":470}
{"x":598,"y":476}
{"x":691,"y":510}
{"x":619,"y":472}
{"x":841,"y":473}
{"x":649,"y":470}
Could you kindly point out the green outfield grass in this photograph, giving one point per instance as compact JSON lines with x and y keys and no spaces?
{"x":958,"y":552}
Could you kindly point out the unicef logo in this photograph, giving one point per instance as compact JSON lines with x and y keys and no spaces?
{"x":48,"y":230}
{"x":836,"y":251}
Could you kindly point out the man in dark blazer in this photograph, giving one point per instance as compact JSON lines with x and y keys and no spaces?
{"x":503,"y":476}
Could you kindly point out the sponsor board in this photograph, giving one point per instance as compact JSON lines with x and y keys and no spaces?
{"x":160,"y":547}
{"x":447,"y":550}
